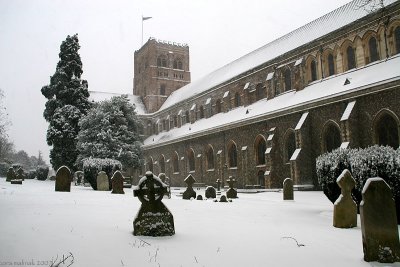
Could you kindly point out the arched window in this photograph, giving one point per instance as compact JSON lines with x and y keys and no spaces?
{"x":397,"y":39}
{"x":331,"y":139}
{"x":161,"y":161}
{"x":218,"y":107}
{"x":201,"y":112}
{"x":387,"y":131}
{"x":237,"y":99}
{"x":351,"y":59}
{"x":331,"y":65}
{"x":163,"y":62}
{"x":313,"y":70}
{"x":290,"y":145}
{"x":260,"y":147}
{"x":150,"y":164}
{"x":288,"y":79}
{"x":259,"y":91}
{"x":180,"y":65}
{"x":191,"y":161}
{"x":232,"y":155}
{"x":187,"y":117}
{"x":162,"y":89}
{"x":373,"y":50}
{"x":210,"y":157}
{"x":175,"y":162}
{"x":159,"y":62}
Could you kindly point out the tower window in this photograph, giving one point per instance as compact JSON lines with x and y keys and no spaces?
{"x":373,"y":49}
{"x":351,"y":59}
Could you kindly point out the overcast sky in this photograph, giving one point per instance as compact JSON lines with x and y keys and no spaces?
{"x":217,"y":32}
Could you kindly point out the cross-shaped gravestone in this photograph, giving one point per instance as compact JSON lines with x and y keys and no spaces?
{"x":345,"y":209}
{"x":153,"y":217}
{"x":11,"y":174}
{"x":189,"y":192}
{"x":380,"y":234}
{"x":231,"y":192}
{"x":218,"y":185}
{"x":288,"y":189}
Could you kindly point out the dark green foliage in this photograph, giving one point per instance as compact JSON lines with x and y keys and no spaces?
{"x":31,"y":174}
{"x":42,"y":172}
{"x":111,"y":130}
{"x":374,"y":161}
{"x":4,"y":166}
{"x":92,"y":166}
{"x":67,"y":101}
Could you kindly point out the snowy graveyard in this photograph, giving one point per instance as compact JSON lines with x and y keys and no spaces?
{"x":39,"y":226}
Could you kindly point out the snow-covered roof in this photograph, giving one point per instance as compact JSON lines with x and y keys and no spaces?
{"x":101,"y":96}
{"x":320,"y":27}
{"x":364,"y":77}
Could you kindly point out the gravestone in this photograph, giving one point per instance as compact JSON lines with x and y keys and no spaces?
{"x":218,"y":185}
{"x":231,"y":193}
{"x":102,"y":182}
{"x":117,"y":182}
{"x":345,"y":209}
{"x":199,"y":197}
{"x":189,"y":192}
{"x":223,"y":199}
{"x":11,"y":174}
{"x":380,"y":235}
{"x":79,"y":177}
{"x":288,"y":189}
{"x":210,"y":192}
{"x":153,"y":217}
{"x":165,"y":180}
{"x":63,"y":179}
{"x":20,"y":174}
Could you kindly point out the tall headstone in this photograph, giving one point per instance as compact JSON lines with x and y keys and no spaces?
{"x":153,"y":217}
{"x":218,"y":185}
{"x":288,"y":189}
{"x":165,"y":180}
{"x":117,"y":182}
{"x":10,"y":174}
{"x":63,"y":179}
{"x":231,"y":192}
{"x":380,"y":234}
{"x":345,"y":209}
{"x":189,"y":192}
{"x":210,"y":192}
{"x":102,"y":182}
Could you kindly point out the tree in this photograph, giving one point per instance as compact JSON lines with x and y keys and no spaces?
{"x":6,"y":146}
{"x":67,"y":101}
{"x":111,"y":130}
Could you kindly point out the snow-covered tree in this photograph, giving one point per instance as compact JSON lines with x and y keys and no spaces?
{"x":111,"y":130}
{"x":67,"y":102}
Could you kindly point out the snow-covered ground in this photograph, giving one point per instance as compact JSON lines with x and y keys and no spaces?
{"x":38,"y":224}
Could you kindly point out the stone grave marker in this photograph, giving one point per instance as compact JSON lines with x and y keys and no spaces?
{"x":79,"y":177}
{"x":102,"y":182}
{"x":210,"y":192}
{"x":189,"y":192}
{"x":20,"y":174}
{"x":117,"y":182}
{"x":288,"y":189}
{"x":199,"y":197}
{"x":223,"y":199}
{"x":231,"y":193}
{"x":63,"y":179}
{"x":380,"y":235}
{"x":218,"y":185}
{"x":153,"y":217}
{"x":165,"y":180}
{"x":345,"y":209}
{"x":11,"y":174}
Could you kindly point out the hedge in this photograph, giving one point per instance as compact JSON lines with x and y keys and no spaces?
{"x":92,"y":166}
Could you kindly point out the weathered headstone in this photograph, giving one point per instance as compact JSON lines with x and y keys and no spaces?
{"x":199,"y":197}
{"x":231,"y":192}
{"x":380,"y":234}
{"x":165,"y":180}
{"x":210,"y":192}
{"x":223,"y":199}
{"x":218,"y":185}
{"x":11,"y":174}
{"x":345,"y":209}
{"x":153,"y":217}
{"x":20,"y":174}
{"x":102,"y":182}
{"x":288,"y":189}
{"x":63,"y":179}
{"x":117,"y":182}
{"x":189,"y":192}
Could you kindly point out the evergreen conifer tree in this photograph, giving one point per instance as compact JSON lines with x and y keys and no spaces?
{"x":67,"y":101}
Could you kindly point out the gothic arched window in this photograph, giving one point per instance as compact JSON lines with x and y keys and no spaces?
{"x":237,"y":99}
{"x":351,"y":59}
{"x":290,"y":145}
{"x":331,"y":139}
{"x":331,"y":65}
{"x":373,"y":50}
{"x":313,"y":70}
{"x":161,"y":161}
{"x":201,"y":112}
{"x":218,"y":106}
{"x":175,"y":162}
{"x":210,"y":157}
{"x":288,"y":79}
{"x":191,"y":160}
{"x":232,"y":155}
{"x":397,"y":39}
{"x":260,"y":147}
{"x":387,"y":131}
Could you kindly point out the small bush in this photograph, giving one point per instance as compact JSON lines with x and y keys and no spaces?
{"x":31,"y":174}
{"x":374,"y":161}
{"x":92,"y":166}
{"x":4,"y":166}
{"x":42,"y":172}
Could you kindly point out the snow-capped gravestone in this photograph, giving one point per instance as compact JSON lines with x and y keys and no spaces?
{"x":102,"y":182}
{"x":345,"y":209}
{"x":380,"y":235}
{"x":189,"y":192}
{"x":153,"y":217}
{"x":218,"y":185}
{"x":117,"y":182}
{"x":11,"y":174}
{"x":231,"y":192}
{"x":20,"y":174}
{"x":288,"y":189}
{"x":199,"y":197}
{"x":210,"y":192}
{"x":63,"y":179}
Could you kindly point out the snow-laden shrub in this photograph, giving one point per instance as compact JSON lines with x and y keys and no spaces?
{"x":4,"y":166}
{"x":92,"y":166}
{"x":31,"y":174}
{"x":42,"y":172}
{"x":374,"y":161}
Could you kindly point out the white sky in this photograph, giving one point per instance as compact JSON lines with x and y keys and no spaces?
{"x":217,"y":32}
